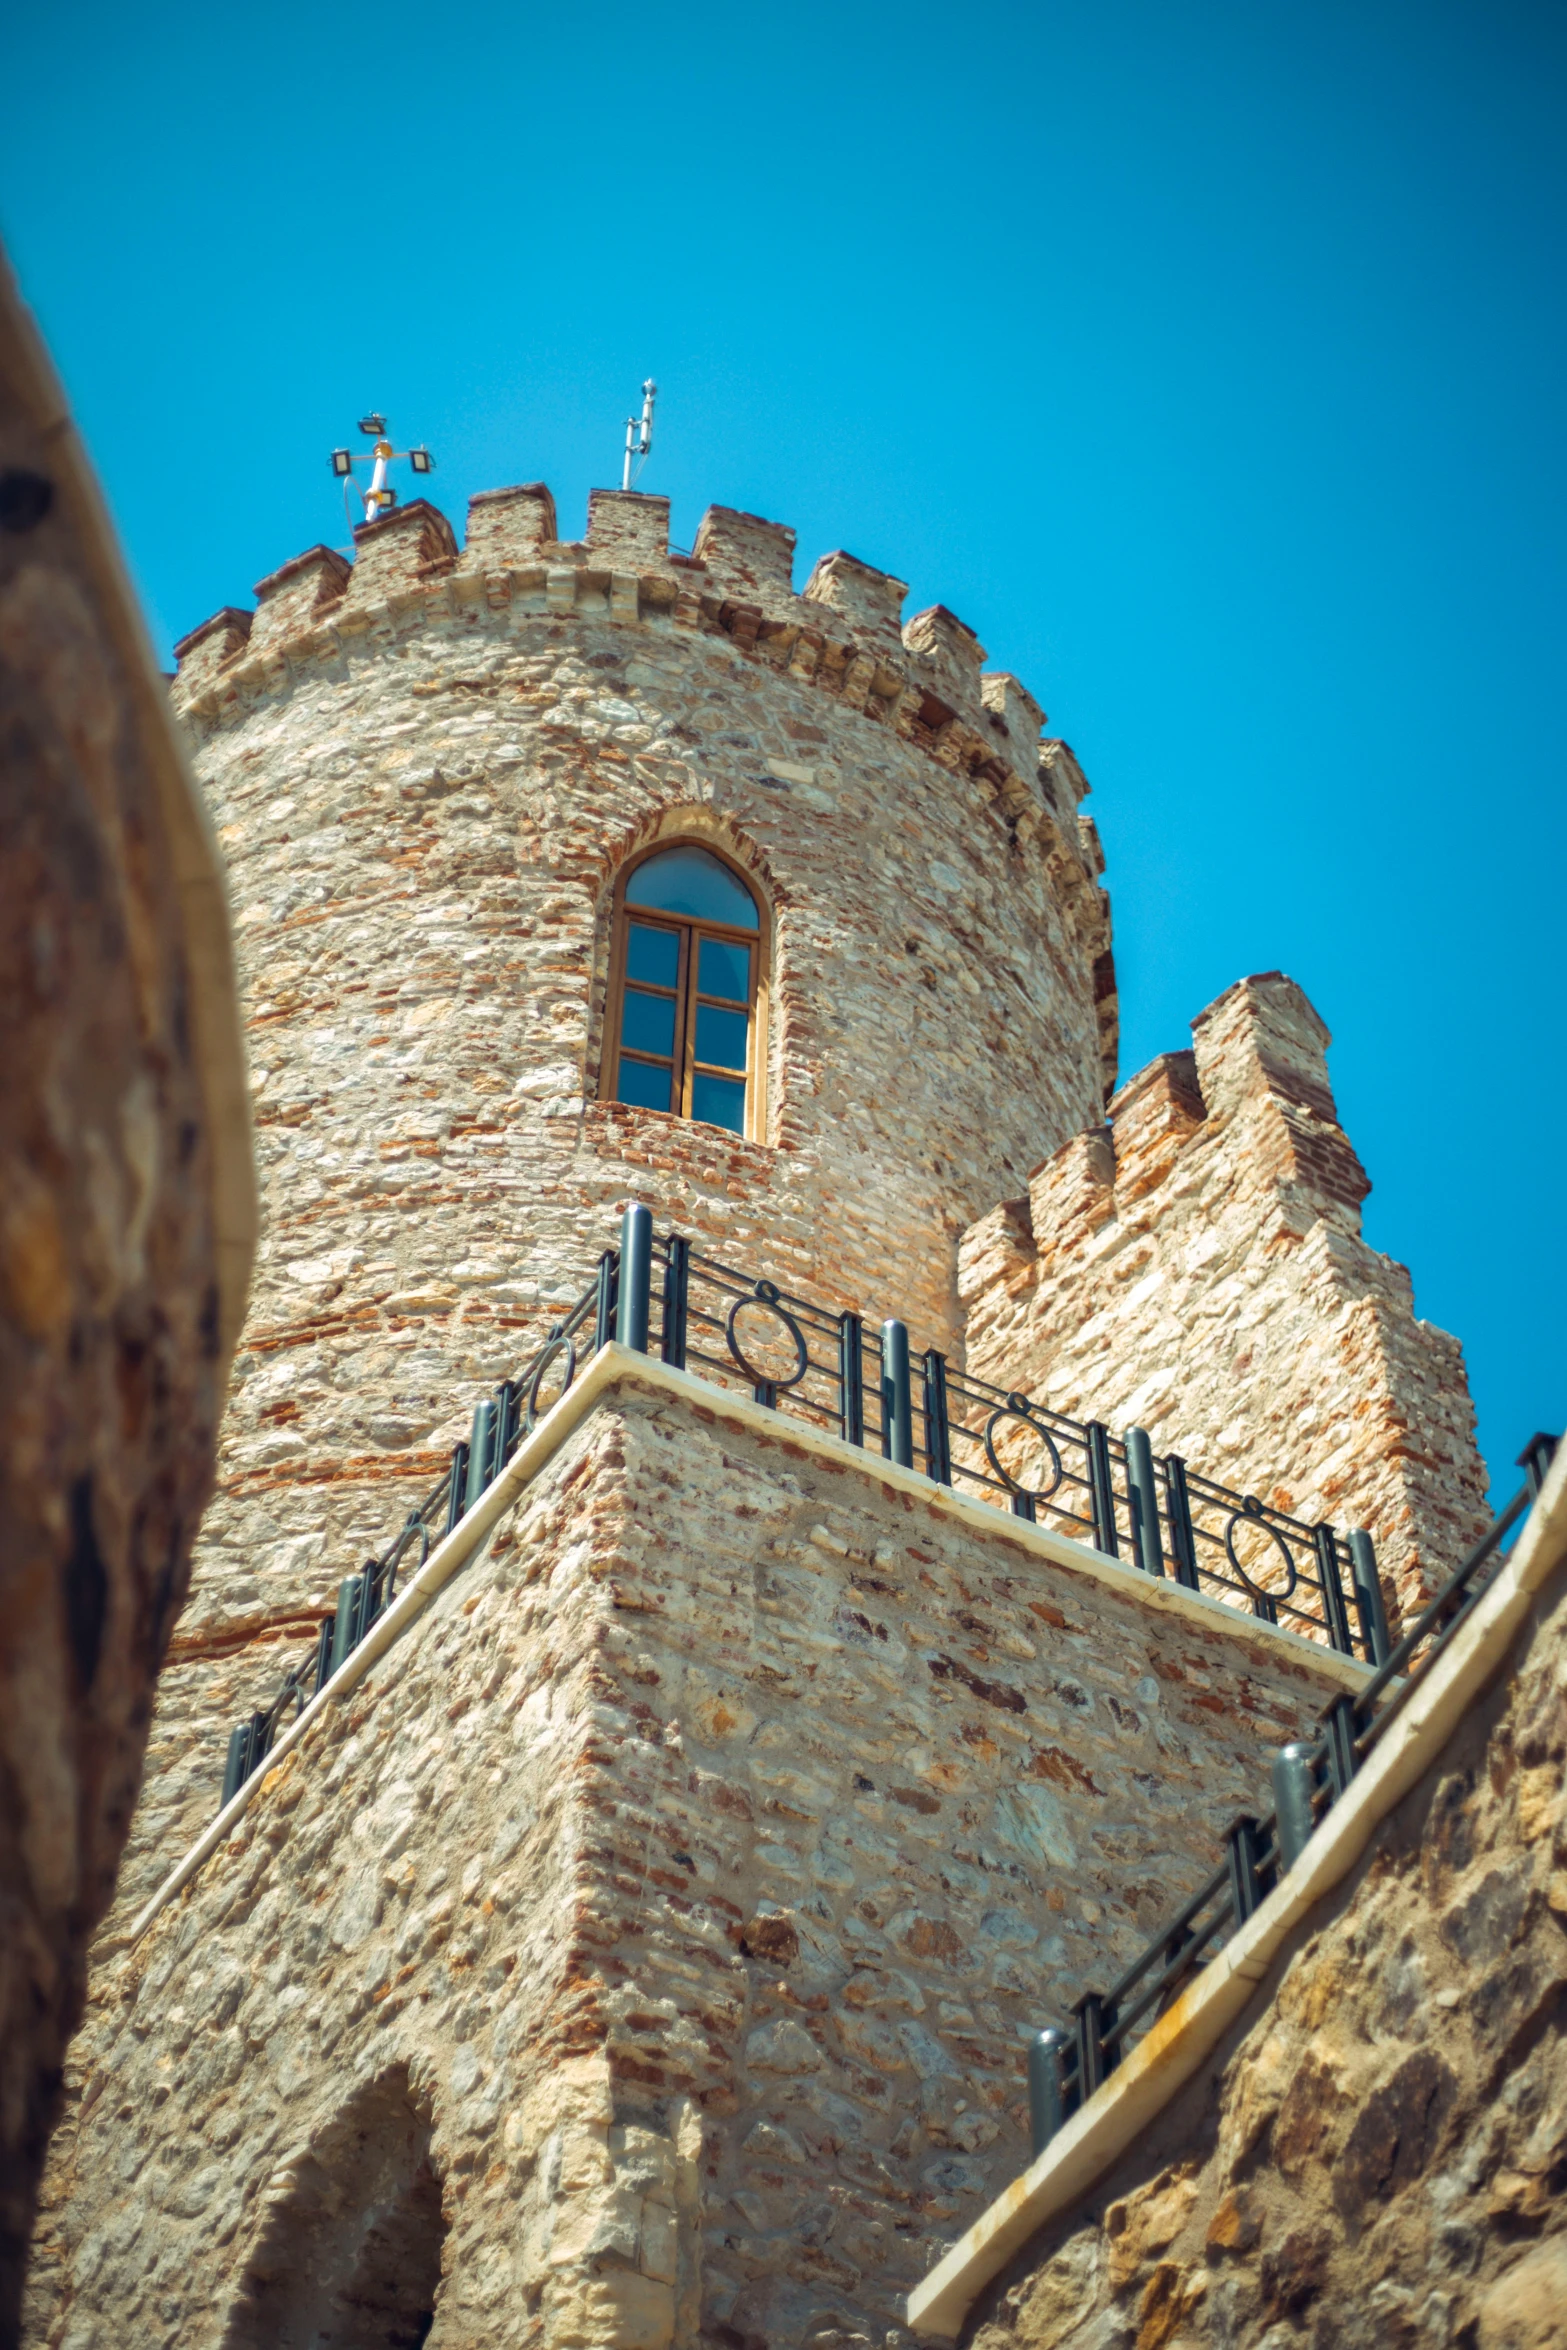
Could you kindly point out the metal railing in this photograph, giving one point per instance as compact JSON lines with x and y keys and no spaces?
{"x":867,"y":1385}
{"x":1067,"y":2064}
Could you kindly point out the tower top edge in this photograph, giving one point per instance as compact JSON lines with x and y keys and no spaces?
{"x":740,"y":565}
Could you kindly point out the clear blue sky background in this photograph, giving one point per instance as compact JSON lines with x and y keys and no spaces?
{"x":1207,"y":359}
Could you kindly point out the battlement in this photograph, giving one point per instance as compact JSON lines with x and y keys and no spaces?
{"x":843,"y":631}
{"x":1203,"y":1249}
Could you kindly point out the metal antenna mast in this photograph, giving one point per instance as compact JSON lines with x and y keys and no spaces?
{"x":637,"y":447}
{"x":380,"y":497}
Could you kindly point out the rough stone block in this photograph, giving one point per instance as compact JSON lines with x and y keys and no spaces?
{"x":404,"y":549}
{"x":1262,"y":1035}
{"x":200,"y":656}
{"x":507,"y":528}
{"x":298,"y":596}
{"x":951,"y":654}
{"x":867,"y":601}
{"x":1020,"y":715}
{"x":748,"y":560}
{"x":627,"y":530}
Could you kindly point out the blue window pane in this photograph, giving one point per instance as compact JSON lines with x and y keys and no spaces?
{"x":719,"y":1101}
{"x":647,"y":1024}
{"x":693,"y":881}
{"x":724,"y":969}
{"x":643,"y":1084}
{"x":720,"y":1036}
{"x":653,"y":955}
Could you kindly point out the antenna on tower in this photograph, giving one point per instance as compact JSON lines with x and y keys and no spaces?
{"x":637,"y":447}
{"x":380,"y":497}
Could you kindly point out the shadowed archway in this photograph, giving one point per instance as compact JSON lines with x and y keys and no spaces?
{"x":350,"y":2258}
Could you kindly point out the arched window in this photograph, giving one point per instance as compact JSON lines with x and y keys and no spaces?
{"x":683,"y":1013}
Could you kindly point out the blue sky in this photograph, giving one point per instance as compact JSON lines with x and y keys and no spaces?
{"x":1208,"y":360}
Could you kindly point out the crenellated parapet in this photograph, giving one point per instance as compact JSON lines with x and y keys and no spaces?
{"x":843,"y":635}
{"x":1196,"y":1265}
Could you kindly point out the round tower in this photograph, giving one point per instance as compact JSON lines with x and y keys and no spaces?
{"x":432,"y":773}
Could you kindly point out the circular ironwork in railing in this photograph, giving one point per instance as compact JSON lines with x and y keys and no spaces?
{"x":556,"y":1344}
{"x":1250,"y":1513}
{"x":1018,"y":1407}
{"x":765,"y":1295}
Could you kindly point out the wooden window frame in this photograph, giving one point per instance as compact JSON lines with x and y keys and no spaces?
{"x":691,"y":930}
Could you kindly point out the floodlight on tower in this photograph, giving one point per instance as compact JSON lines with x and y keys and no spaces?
{"x":379,"y":497}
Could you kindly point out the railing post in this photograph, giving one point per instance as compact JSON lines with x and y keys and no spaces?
{"x":1535,"y":1460}
{"x":1246,"y":1886}
{"x":345,"y":1628}
{"x":1368,"y":1596}
{"x":369,"y":1595}
{"x":851,"y":1377}
{"x":1178,"y":1518}
{"x":481,"y":1443}
{"x":636,"y":1278}
{"x":236,"y":1767}
{"x":1293,"y":1778}
{"x":938,"y":1444}
{"x":1101,"y":1489}
{"x":457,"y":1492}
{"x":608,"y":1291}
{"x":1143,"y":1494}
{"x":1325,"y":1543}
{"x":1046,"y":2096}
{"x":677,"y":1297}
{"x":1338,"y":1724}
{"x":1094,"y":2066}
{"x":508,"y":1421}
{"x":323,"y":1655}
{"x":897,"y":1401}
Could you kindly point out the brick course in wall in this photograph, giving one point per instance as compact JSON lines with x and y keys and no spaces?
{"x":699,"y":1863}
{"x":1196,"y":1267}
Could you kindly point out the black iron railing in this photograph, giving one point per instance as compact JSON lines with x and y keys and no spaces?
{"x":1067,"y":2064}
{"x":864,"y":1383}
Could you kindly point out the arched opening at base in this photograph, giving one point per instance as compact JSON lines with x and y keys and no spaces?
{"x":350,"y":2259}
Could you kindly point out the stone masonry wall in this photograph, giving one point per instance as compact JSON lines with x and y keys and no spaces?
{"x":425,"y":771}
{"x":1377,"y":2157}
{"x":698,"y":1863}
{"x":1196,"y":1268}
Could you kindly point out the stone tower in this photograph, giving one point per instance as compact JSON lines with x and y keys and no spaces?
{"x":636,"y":1945}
